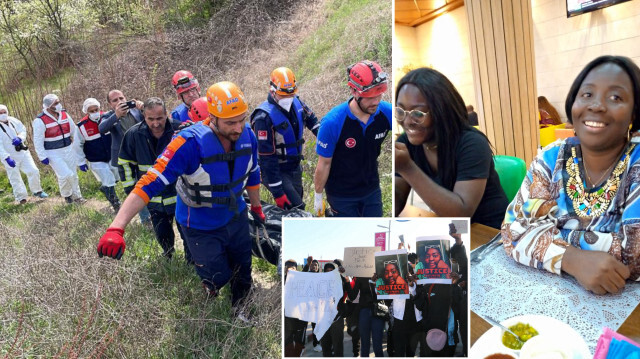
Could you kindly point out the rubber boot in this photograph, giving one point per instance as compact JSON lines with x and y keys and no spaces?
{"x":113,"y":198}
{"x":110,"y":194}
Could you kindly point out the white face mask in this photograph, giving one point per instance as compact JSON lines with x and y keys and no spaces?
{"x":4,"y":117}
{"x":58,"y":107}
{"x":286,"y":103}
{"x":94,"y":116}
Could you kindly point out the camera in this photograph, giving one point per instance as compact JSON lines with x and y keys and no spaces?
{"x":130,"y":104}
{"x":21,"y":147}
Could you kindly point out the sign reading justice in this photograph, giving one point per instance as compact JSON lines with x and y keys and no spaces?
{"x":434,"y":265}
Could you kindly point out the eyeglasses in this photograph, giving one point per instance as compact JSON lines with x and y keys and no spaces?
{"x":417,"y":117}
{"x":393,"y":261}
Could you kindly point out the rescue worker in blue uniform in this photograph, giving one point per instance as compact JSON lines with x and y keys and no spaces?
{"x":213,"y":162}
{"x":142,"y":144}
{"x":349,"y":143}
{"x":187,"y":90}
{"x":278,"y":123}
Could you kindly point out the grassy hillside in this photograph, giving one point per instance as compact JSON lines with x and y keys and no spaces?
{"x":57,"y":299}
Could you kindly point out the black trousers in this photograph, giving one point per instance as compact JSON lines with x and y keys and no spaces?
{"x":332,"y":340}
{"x":406,"y":337}
{"x":353,"y":329}
{"x":163,"y":228}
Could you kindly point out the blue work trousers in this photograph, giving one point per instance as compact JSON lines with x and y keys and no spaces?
{"x":223,"y":255}
{"x":370,"y":327}
{"x":366,"y":206}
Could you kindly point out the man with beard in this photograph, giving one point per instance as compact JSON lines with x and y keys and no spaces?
{"x":213,"y":162}
{"x":349,"y":143}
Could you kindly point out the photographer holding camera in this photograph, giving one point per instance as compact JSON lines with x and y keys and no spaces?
{"x":123,"y":115}
{"x":16,"y":157}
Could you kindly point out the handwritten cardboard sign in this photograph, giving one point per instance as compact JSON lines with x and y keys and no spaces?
{"x":359,"y":261}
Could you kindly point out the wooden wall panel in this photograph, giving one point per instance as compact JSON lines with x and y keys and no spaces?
{"x":501,"y":42}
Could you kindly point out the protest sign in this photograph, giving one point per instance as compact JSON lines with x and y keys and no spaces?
{"x":434,"y":265}
{"x":359,"y":261}
{"x":392,"y":271}
{"x":313,"y":297}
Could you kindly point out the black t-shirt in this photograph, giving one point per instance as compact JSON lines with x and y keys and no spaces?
{"x":474,"y":160}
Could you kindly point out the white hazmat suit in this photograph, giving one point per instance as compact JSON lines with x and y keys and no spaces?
{"x":62,"y":160}
{"x":9,"y":130}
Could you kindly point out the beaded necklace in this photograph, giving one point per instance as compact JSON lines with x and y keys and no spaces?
{"x":593,"y":203}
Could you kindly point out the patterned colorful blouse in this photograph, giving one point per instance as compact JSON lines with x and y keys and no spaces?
{"x":553,"y":209}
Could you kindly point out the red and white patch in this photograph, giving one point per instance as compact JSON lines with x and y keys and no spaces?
{"x":350,"y":142}
{"x":168,"y":154}
{"x":262,"y":135}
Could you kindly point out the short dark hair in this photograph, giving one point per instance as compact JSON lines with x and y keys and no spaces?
{"x":327,"y":265}
{"x":412,"y":257}
{"x":449,"y":114}
{"x":626,"y":64}
{"x":152,"y":102}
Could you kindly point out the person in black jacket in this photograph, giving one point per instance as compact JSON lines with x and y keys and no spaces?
{"x":332,"y":341}
{"x":370,"y":326}
{"x":459,"y":254}
{"x":141,"y":146}
{"x":435,"y":301}
{"x":115,"y":123}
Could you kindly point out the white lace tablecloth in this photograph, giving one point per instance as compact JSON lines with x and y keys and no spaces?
{"x":502,"y":288}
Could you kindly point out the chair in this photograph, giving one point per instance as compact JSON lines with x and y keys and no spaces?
{"x":548,"y":134}
{"x":511,"y":171}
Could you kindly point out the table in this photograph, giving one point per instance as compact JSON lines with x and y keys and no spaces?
{"x":481,"y":234}
{"x":413,"y":211}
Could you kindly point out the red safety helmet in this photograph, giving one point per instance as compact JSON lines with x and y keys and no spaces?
{"x":184,"y":81}
{"x":367,"y":78}
{"x":199,"y":110}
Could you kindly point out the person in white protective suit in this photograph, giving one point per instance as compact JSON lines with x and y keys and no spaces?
{"x":53,"y":133}
{"x":15,"y":157}
{"x":94,"y":148}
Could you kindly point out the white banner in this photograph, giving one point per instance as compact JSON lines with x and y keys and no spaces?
{"x":313,"y":297}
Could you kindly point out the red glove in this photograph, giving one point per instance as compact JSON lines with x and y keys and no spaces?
{"x":258,"y":215}
{"x":283,"y":202}
{"x":112,"y":244}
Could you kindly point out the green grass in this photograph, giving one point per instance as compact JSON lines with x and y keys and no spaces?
{"x":59,"y":298}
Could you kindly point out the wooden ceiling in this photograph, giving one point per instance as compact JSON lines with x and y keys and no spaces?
{"x":417,"y":12}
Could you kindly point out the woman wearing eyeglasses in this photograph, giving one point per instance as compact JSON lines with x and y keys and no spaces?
{"x":447,"y":162}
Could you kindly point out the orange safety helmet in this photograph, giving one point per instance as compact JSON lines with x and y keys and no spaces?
{"x":184,"y":81}
{"x":283,"y":81}
{"x":199,"y":110}
{"x":226,"y":100}
{"x":367,"y":78}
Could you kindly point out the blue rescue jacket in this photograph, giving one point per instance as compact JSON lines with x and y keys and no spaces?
{"x":180,"y":113}
{"x":288,"y":144}
{"x":210,"y":181}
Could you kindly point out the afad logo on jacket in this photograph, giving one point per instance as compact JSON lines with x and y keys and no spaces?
{"x":350,"y":142}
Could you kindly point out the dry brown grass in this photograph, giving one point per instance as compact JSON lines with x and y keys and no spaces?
{"x":60,"y":300}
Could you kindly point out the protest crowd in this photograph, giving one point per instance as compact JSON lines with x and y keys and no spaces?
{"x":201,"y":165}
{"x":425,"y":320}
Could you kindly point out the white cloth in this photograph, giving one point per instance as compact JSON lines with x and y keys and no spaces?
{"x":104,"y":172}
{"x":313,"y":297}
{"x":399,"y":306}
{"x":24,"y":162}
{"x":63,"y":161}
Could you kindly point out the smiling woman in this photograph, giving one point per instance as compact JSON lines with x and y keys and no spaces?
{"x":578,"y":210}
{"x":447,"y":162}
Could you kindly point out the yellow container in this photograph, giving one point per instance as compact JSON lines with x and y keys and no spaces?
{"x":548,"y":134}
